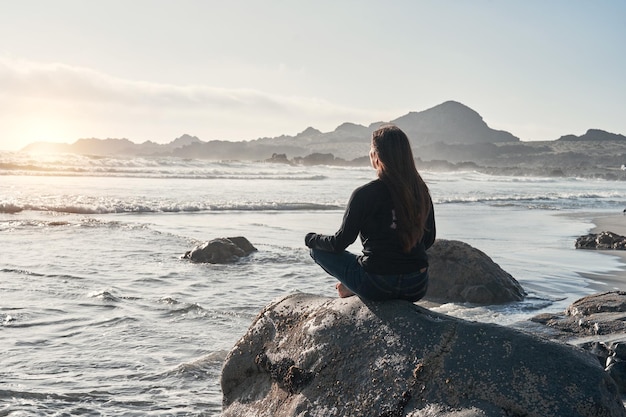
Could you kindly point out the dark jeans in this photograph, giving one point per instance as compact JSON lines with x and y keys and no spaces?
{"x":346,"y":268}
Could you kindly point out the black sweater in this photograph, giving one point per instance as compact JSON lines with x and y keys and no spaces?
{"x":370,"y":214}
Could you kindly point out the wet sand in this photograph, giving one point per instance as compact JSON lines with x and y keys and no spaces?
{"x":615,"y":223}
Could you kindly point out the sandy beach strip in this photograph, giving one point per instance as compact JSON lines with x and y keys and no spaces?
{"x":614,"y":280}
{"x":615,"y":223}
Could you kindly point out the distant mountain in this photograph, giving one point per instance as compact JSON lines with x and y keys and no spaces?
{"x":450,"y":124}
{"x":309,"y":131}
{"x":90,"y":146}
{"x":48,"y":147}
{"x":594,"y":135}
{"x":184,"y":140}
{"x":103,"y":147}
{"x":449,"y":136}
{"x":111,"y":147}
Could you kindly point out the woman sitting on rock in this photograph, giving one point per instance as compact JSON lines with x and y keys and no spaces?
{"x":395,"y":218}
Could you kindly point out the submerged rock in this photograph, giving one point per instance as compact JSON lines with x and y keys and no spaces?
{"x":602,"y":240}
{"x":221,"y":250}
{"x":306,"y":355}
{"x":460,"y":273}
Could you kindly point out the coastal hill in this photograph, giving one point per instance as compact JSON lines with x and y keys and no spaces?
{"x":594,"y":135}
{"x":450,"y":122}
{"x":447,"y":136}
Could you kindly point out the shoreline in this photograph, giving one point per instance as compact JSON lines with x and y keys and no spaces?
{"x":613,"y":280}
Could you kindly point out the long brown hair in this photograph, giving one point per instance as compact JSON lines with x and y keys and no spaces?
{"x":396,"y":168}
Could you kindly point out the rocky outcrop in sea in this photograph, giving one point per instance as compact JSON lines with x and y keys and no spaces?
{"x":221,"y":250}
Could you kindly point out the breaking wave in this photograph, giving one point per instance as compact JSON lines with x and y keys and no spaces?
{"x":133,"y":207}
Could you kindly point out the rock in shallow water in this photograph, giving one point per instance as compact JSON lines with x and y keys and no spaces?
{"x":460,"y":273}
{"x":221,"y":250}
{"x":306,"y":355}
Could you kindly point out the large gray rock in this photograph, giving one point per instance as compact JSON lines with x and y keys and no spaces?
{"x":460,"y":273}
{"x":220,"y":250}
{"x":313,"y":356}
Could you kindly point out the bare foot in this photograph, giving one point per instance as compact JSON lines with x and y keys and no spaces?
{"x":343,"y":291}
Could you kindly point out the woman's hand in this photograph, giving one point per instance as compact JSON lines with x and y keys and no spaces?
{"x":308,"y":238}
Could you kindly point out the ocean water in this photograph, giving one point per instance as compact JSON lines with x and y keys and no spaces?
{"x":100,"y":316}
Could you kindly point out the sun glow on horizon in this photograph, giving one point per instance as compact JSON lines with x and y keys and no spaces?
{"x":35,"y":128}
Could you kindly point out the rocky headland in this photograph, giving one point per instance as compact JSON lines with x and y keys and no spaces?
{"x":449,"y":136}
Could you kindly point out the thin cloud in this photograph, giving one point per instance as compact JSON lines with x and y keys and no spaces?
{"x":21,"y":79}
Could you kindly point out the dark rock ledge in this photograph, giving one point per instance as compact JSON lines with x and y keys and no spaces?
{"x":596,"y":323}
{"x":601,"y":241}
{"x":306,"y":355}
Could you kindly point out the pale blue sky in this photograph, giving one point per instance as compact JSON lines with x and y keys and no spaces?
{"x":154,"y":69}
